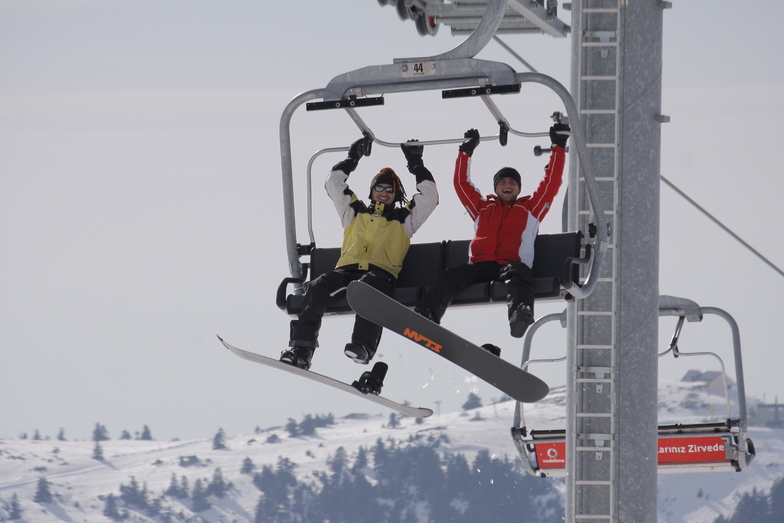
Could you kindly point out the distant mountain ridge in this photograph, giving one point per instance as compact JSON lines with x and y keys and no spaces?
{"x":469,"y":456}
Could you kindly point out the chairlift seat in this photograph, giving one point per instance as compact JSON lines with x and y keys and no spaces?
{"x":424,"y":261}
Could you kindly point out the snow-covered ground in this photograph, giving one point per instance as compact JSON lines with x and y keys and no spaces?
{"x":77,"y":480}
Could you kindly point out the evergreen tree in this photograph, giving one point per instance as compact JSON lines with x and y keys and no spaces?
{"x":436,"y":489}
{"x":337,"y":463}
{"x":125,"y":435}
{"x":777,"y":500}
{"x":247,"y":466}
{"x":42,"y":493}
{"x":61,"y":435}
{"x":292,"y":428}
{"x":156,"y":507}
{"x":752,"y":507}
{"x":134,"y":496}
{"x":457,"y":474}
{"x":361,"y":461}
{"x":112,"y":511}
{"x":174,"y":487}
{"x":175,"y":490}
{"x":218,"y":486}
{"x":146,"y":434}
{"x":261,"y":515}
{"x":37,"y":436}
{"x":219,"y":441}
{"x":100,"y":433}
{"x":273,"y":506}
{"x":393,"y":420}
{"x":98,"y":452}
{"x":15,"y":509}
{"x":473,"y":402}
{"x":184,"y":486}
{"x":308,"y":426}
{"x":199,"y":501}
{"x":265,"y":480}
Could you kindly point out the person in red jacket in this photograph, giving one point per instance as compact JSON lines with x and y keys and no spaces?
{"x":506,"y":225}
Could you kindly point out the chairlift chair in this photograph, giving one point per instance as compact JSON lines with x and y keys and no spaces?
{"x":457,"y":74}
{"x":694,"y":447}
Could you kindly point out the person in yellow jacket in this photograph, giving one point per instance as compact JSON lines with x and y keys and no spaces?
{"x":376,"y":238}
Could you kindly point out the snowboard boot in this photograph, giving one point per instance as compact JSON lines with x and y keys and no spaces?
{"x":495,"y":350}
{"x":298,"y":357}
{"x":370,"y":382}
{"x":520,"y":319}
{"x":359,"y":352}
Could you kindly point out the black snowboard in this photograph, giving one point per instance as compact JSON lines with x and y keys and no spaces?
{"x":383,"y":310}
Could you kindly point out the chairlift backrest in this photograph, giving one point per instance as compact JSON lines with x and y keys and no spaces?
{"x":555,"y":257}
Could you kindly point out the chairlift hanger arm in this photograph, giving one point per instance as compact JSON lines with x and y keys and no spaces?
{"x":289,"y":219}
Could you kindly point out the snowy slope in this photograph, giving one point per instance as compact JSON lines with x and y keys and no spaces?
{"x":77,"y":480}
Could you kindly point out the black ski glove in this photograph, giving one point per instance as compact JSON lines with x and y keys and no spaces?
{"x":354,"y":154}
{"x":559,"y":139}
{"x":355,"y":151}
{"x":469,"y":145}
{"x":413,"y":153}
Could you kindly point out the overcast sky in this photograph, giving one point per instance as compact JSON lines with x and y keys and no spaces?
{"x":140,"y":202}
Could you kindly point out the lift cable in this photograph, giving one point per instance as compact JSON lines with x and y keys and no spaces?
{"x":513,"y":53}
{"x":725,"y":228}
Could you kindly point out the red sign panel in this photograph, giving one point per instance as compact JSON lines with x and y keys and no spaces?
{"x":704,"y":449}
{"x":551,"y":455}
{"x":692,"y":450}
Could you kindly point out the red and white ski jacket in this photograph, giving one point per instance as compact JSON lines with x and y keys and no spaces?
{"x":506,"y":232}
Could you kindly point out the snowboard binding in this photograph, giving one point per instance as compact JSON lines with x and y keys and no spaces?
{"x":370,"y":382}
{"x":495,"y":350}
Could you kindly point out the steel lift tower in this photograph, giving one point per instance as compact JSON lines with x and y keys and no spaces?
{"x":613,"y":333}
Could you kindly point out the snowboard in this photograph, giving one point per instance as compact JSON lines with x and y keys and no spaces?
{"x":417,"y":412}
{"x":379,"y":308}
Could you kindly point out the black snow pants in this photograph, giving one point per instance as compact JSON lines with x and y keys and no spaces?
{"x":327,"y":289}
{"x":517,"y":276}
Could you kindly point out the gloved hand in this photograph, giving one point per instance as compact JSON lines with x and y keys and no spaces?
{"x":559,"y":139}
{"x":413,"y":153}
{"x":355,"y":151}
{"x":469,"y":145}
